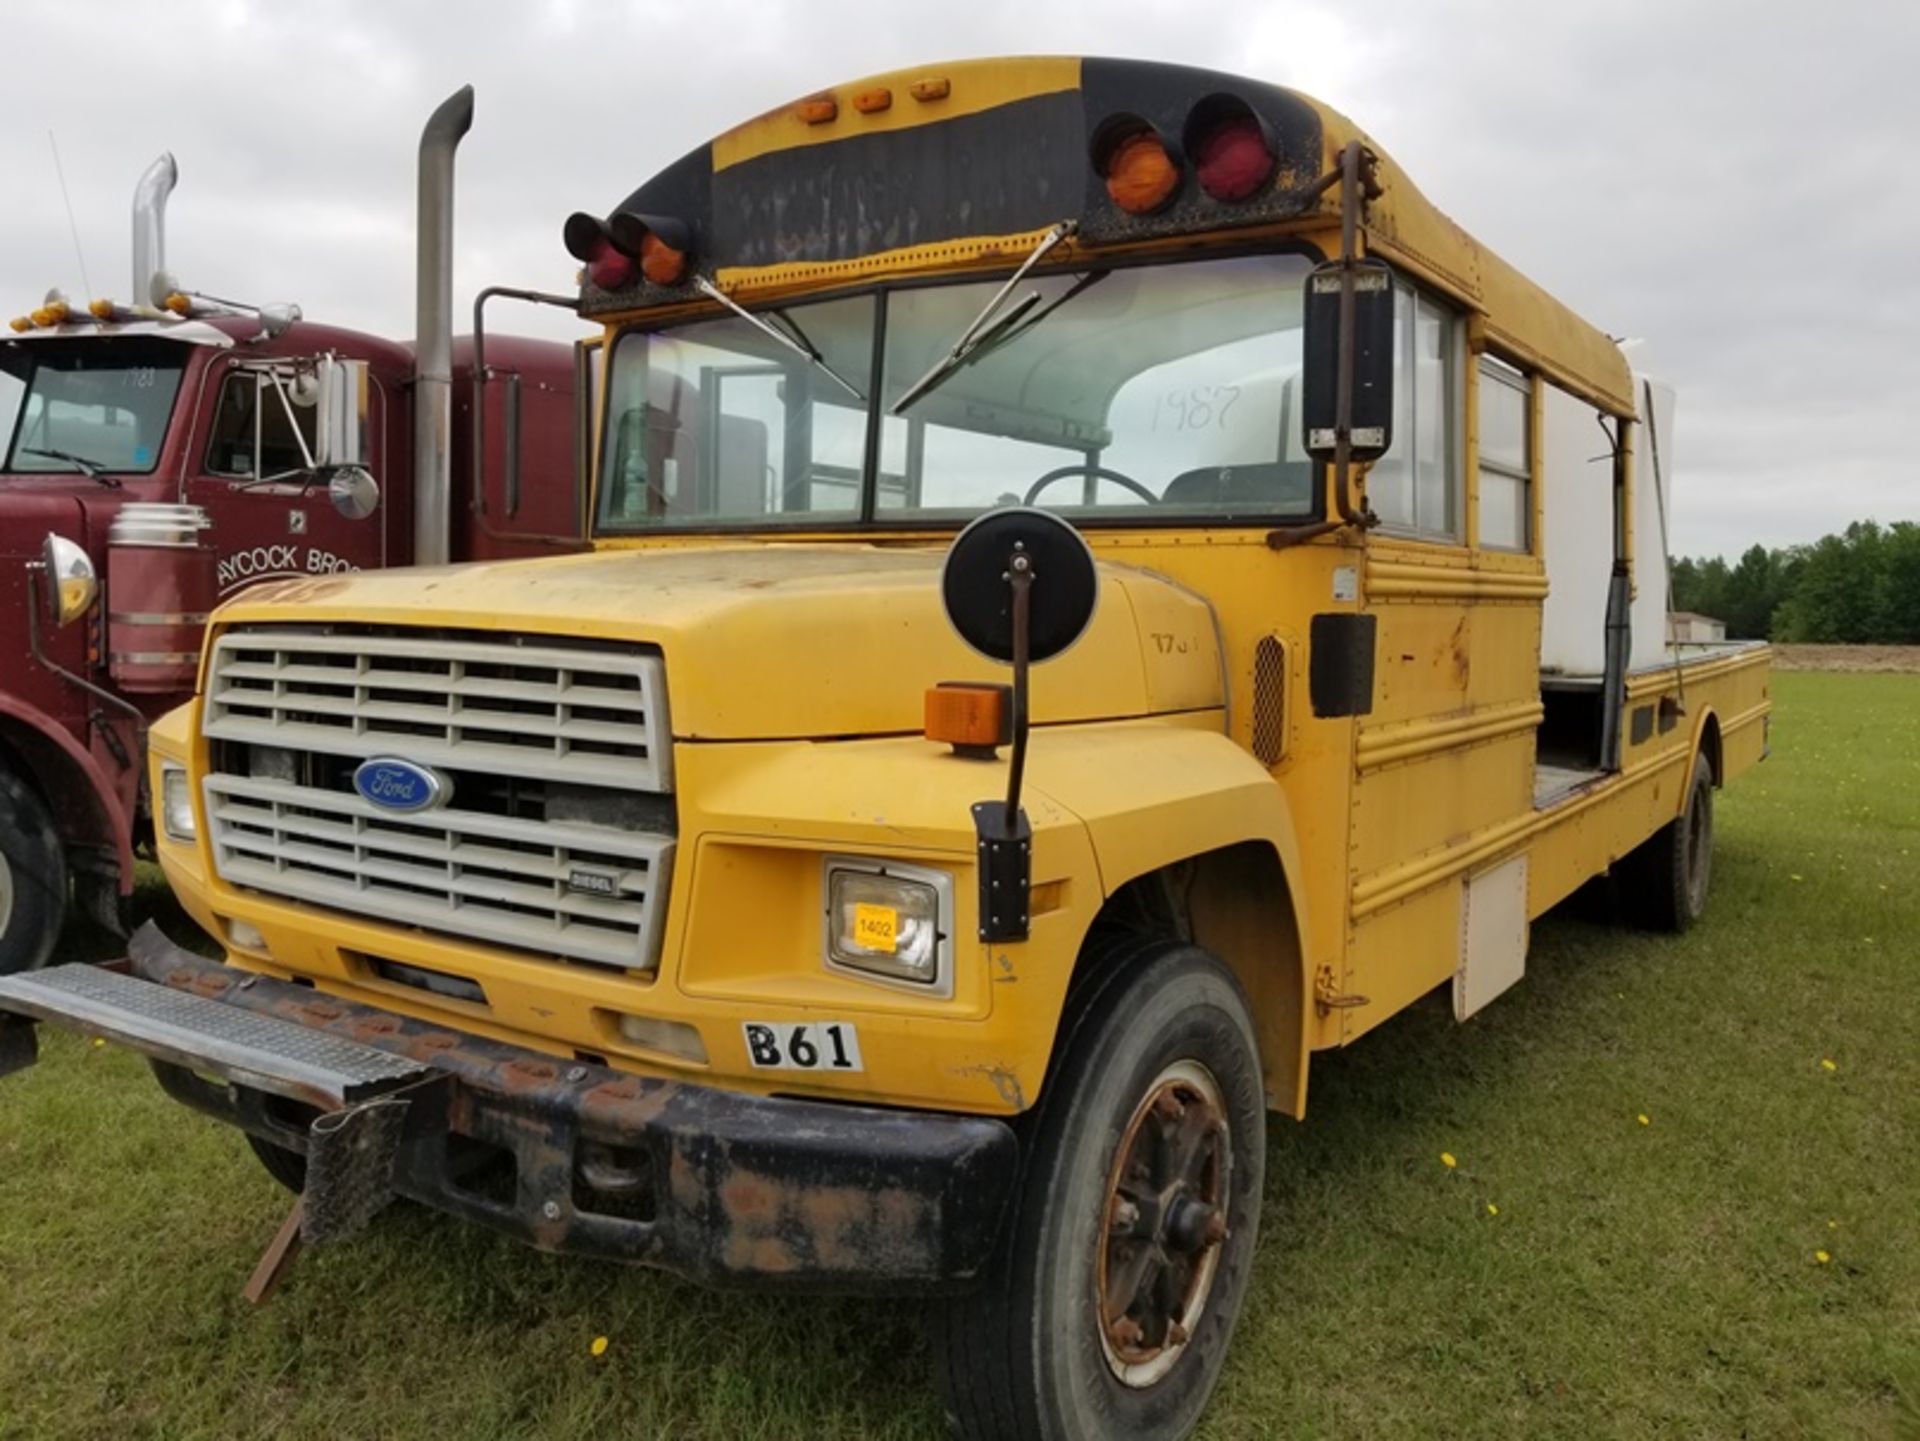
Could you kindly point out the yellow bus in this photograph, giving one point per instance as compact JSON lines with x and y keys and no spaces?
{"x":674,"y":903}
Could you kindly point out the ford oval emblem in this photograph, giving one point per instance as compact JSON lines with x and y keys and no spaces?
{"x":397,"y":785}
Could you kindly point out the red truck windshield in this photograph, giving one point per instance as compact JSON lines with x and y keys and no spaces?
{"x":88,"y":406}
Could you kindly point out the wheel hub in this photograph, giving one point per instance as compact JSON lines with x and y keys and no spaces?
{"x":1166,"y":1217}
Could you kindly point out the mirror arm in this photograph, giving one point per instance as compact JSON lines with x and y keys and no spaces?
{"x":1003,"y":836}
{"x":1352,"y":159}
{"x":293,"y":423}
{"x":1020,"y":578}
{"x":478,"y":503}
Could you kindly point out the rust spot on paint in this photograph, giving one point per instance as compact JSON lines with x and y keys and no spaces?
{"x":750,"y":1198}
{"x":1003,"y":1079}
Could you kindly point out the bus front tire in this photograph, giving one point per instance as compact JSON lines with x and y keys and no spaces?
{"x":289,"y":1168}
{"x":1116,"y":1289}
{"x":1665,"y":881}
{"x":33,"y":878}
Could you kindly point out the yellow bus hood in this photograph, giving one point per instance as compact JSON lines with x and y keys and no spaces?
{"x":771,"y":641}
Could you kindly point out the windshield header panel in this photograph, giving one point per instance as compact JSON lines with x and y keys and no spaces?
{"x":86,"y":408}
{"x":1131,"y":396}
{"x":1006,"y":148}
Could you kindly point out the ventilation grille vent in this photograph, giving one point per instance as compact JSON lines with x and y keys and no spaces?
{"x":1269,"y":700}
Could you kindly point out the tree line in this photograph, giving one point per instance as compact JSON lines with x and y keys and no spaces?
{"x":1861,"y":586}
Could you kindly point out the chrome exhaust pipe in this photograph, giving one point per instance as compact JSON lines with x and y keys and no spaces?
{"x":150,"y":224}
{"x":433,"y":330}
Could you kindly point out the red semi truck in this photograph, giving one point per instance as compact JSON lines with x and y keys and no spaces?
{"x":159,"y":457}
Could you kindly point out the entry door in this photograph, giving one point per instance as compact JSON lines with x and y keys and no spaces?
{"x":271,"y":519}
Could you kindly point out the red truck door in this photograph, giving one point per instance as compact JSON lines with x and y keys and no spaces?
{"x":271,"y":515}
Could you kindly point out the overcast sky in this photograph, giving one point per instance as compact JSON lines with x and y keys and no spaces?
{"x":1732,"y":181}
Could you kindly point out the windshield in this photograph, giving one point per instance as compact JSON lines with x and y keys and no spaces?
{"x":1128,"y":395}
{"x":68,"y":408}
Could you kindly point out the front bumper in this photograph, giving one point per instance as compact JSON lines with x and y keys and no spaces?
{"x":572,"y":1156}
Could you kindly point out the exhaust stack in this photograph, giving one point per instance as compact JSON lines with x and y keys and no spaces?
{"x":433,"y":330}
{"x":150,"y":224}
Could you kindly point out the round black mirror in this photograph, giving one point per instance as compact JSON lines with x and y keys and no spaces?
{"x":979,"y":600}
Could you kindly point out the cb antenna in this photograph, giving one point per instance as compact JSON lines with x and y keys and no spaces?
{"x":86,"y":285}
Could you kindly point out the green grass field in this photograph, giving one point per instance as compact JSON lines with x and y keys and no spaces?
{"x":1669,"y":1154}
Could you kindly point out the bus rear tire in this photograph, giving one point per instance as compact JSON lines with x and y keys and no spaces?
{"x":1664,"y":882}
{"x":33,"y":878}
{"x":1114,"y":1295}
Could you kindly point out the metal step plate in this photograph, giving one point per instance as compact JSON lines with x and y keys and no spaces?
{"x":208,"y":1036}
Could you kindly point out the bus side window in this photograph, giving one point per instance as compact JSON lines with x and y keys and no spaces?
{"x":1506,"y":476}
{"x":1415,"y":487}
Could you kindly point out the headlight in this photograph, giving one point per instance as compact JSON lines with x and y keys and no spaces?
{"x":891,"y":921}
{"x":176,"y":803}
{"x":71,"y":577}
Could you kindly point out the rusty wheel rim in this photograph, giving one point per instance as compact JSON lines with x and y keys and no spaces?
{"x":1165,"y":1218}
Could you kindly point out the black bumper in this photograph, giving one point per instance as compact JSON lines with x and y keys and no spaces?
{"x":572,"y":1156}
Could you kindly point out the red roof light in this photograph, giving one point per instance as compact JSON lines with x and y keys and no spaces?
{"x":1233,"y":160}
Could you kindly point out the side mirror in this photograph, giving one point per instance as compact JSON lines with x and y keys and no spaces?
{"x":1019,"y":586}
{"x":72,"y":583}
{"x":354,"y":492}
{"x":1364,"y":354}
{"x":340,"y":424}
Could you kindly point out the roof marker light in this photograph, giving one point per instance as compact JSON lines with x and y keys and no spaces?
{"x":1140,"y":172}
{"x":1233,"y":151}
{"x":934,"y":87}
{"x":817,"y":110}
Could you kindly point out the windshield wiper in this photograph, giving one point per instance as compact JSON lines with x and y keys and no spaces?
{"x":797,"y":342}
{"x":977,"y":333}
{"x":92,"y":469}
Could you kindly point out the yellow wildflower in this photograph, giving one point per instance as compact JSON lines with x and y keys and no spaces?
{"x":1446,"y":1159}
{"x":1492,"y":1210}
{"x":599,"y":1346}
{"x":1645,"y":1119}
{"x":1822,"y":1257}
{"x":1827,"y":1065}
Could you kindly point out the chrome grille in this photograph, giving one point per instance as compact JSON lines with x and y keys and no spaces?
{"x":552,"y":711}
{"x":555,"y":840}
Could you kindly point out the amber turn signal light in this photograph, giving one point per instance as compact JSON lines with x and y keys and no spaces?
{"x":972,"y":718}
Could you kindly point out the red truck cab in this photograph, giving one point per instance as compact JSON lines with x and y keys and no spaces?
{"x":179,"y":458}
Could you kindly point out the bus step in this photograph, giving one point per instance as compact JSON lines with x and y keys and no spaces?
{"x":208,"y":1036}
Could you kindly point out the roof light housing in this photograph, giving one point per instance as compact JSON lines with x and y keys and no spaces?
{"x":662,"y":243}
{"x":589,"y":241}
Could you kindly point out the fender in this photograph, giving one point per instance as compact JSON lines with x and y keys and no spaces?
{"x":1156,"y":793}
{"x":84,"y":799}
